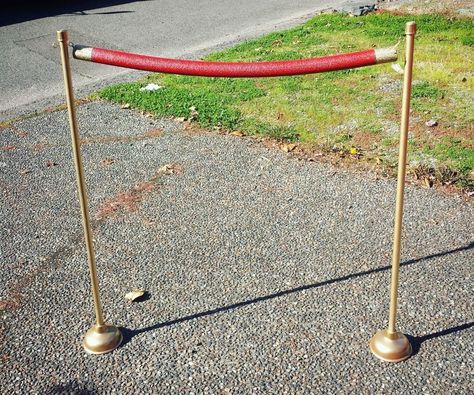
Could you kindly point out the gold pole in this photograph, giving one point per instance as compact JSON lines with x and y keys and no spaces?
{"x":390,"y":345}
{"x":100,"y":338}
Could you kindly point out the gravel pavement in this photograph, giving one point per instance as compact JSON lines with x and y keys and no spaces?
{"x":265,"y":274}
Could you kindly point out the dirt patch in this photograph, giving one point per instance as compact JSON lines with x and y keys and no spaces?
{"x":129,"y":201}
{"x":150,"y":134}
{"x":9,"y":304}
{"x":365,"y":140}
{"x":8,"y":148}
{"x":446,"y":7}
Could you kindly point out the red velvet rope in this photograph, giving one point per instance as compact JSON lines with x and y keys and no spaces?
{"x":233,"y":69}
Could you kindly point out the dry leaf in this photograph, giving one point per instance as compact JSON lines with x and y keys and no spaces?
{"x":135,"y":294}
{"x":166,"y":169}
{"x":180,"y":119}
{"x":106,"y":161}
{"x":25,"y":172}
{"x":427,"y":182}
{"x":194,"y":112}
{"x":237,"y":134}
{"x":125,"y":106}
{"x":50,"y":163}
{"x":288,"y":147}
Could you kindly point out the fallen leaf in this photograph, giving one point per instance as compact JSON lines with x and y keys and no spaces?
{"x":194,"y":112}
{"x":237,"y":134}
{"x":180,"y":119}
{"x":125,"y":106}
{"x":25,"y":172}
{"x":427,"y":182}
{"x":166,"y":169}
{"x":106,"y":161}
{"x":135,"y":294}
{"x":288,"y":147}
{"x":50,"y":163}
{"x":353,"y":151}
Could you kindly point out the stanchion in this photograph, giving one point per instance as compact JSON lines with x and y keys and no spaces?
{"x":101,"y":338}
{"x":390,"y":345}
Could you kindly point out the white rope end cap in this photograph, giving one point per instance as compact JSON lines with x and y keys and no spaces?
{"x":83,"y":53}
{"x":384,"y":55}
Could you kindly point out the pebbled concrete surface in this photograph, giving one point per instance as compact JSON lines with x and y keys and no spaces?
{"x":265,"y":273}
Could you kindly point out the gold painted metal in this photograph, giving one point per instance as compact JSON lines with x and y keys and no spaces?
{"x":101,"y":338}
{"x":390,"y":345}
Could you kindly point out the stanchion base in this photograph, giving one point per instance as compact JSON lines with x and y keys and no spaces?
{"x":102,"y":339}
{"x":390,"y":347}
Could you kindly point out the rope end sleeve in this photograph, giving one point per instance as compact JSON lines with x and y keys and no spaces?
{"x":384,"y":55}
{"x":82,"y":52}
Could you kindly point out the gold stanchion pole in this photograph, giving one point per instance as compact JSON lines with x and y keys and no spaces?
{"x":390,"y":345}
{"x":101,"y":338}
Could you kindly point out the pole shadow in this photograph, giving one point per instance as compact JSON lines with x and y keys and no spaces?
{"x":417,"y":341}
{"x":129,"y":334}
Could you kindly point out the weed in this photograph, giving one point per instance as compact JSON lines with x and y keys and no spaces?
{"x":425,"y":89}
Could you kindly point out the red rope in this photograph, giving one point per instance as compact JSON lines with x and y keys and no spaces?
{"x":229,"y":69}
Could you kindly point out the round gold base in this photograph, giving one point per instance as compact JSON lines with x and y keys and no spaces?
{"x":102,"y":339}
{"x":390,"y":347}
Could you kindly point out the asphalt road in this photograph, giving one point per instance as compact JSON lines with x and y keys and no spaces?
{"x":29,"y":65}
{"x":266,"y":274}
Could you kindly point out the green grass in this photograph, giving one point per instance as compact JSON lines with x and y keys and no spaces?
{"x":344,"y":109}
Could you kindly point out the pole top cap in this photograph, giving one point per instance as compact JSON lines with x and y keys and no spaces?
{"x":410,"y":27}
{"x":62,"y":35}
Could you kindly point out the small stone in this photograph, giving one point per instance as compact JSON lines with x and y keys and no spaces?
{"x":431,"y":123}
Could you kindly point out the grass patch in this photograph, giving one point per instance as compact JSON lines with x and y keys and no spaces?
{"x":353,"y":108}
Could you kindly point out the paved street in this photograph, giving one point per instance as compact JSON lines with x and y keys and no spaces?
{"x":29,"y":66}
{"x":266,"y":274}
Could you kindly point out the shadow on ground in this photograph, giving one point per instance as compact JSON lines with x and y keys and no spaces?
{"x":129,"y":334}
{"x":73,"y":387}
{"x":417,"y":341}
{"x":22,"y":11}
